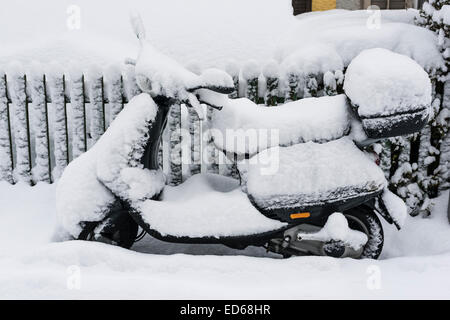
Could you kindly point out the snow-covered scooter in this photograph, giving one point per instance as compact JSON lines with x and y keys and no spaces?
{"x":308,"y":189}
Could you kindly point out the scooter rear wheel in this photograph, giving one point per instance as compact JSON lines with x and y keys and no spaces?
{"x":365,"y":220}
{"x":118,"y":228}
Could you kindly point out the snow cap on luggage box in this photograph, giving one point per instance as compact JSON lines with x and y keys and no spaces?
{"x":380,"y":82}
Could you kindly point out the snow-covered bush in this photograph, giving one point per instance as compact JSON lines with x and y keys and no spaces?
{"x":271,"y":73}
{"x":435,"y":16}
{"x":250,"y":73}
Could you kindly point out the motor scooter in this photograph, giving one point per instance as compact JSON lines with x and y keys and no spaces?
{"x":301,"y":191}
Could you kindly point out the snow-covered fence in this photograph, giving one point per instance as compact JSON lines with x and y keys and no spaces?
{"x":49,"y":118}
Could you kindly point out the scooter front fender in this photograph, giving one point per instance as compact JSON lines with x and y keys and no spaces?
{"x":382,"y":209}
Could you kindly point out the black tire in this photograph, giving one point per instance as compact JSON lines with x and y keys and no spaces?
{"x":118,"y":229}
{"x":364,"y":219}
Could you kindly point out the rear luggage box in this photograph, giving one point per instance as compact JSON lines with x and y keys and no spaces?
{"x":392,"y":125}
{"x":389,"y":92}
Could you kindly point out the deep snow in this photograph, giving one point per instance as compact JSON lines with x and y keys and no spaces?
{"x":415,"y":263}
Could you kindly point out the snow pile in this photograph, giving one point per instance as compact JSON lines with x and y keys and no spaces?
{"x":251,"y":70}
{"x":310,"y":174}
{"x":314,"y":59}
{"x":347,"y":33}
{"x":244,"y":127}
{"x":271,"y":69}
{"x":336,"y":229}
{"x":206,"y":31}
{"x":380,"y":82}
{"x":210,"y":32}
{"x":205,"y":206}
{"x":110,"y":168}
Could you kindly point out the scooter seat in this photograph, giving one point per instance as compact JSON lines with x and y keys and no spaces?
{"x":244,"y":128}
{"x":310,"y":174}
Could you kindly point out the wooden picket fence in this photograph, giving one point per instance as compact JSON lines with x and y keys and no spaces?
{"x":47,"y":120}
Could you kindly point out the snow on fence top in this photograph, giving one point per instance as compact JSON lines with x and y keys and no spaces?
{"x":209,"y":33}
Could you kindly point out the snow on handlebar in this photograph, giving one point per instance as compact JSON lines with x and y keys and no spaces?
{"x":160,"y":75}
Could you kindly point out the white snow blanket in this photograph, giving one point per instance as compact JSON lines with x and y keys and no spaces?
{"x":205,"y":206}
{"x":112,"y":164}
{"x":324,"y":41}
{"x":35,"y":267}
{"x":310,"y":174}
{"x":381,"y":83}
{"x":243,"y":127}
{"x":208,"y":32}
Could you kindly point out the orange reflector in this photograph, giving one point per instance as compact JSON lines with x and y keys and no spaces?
{"x":300,"y":215}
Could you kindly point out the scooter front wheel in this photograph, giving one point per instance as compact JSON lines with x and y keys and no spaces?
{"x":365,"y":220}
{"x":118,"y":228}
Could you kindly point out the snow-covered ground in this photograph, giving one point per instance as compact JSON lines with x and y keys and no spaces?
{"x":415,"y":263}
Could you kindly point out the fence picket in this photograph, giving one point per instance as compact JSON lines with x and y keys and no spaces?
{"x":311,"y":86}
{"x":195,"y":133}
{"x":60,"y":133}
{"x":251,"y":73}
{"x":292,"y":91}
{"x":115,"y":92}
{"x":22,"y":170}
{"x":233,"y":70}
{"x":6,"y":160}
{"x":42,"y":168}
{"x":330,"y":84}
{"x":77,"y":101}
{"x":175,"y":153}
{"x":97,"y":107}
{"x":212,"y":152}
{"x":130,"y":86}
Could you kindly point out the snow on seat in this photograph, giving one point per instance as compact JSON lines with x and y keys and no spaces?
{"x":310,"y":174}
{"x":205,"y":206}
{"x":242,"y":127}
